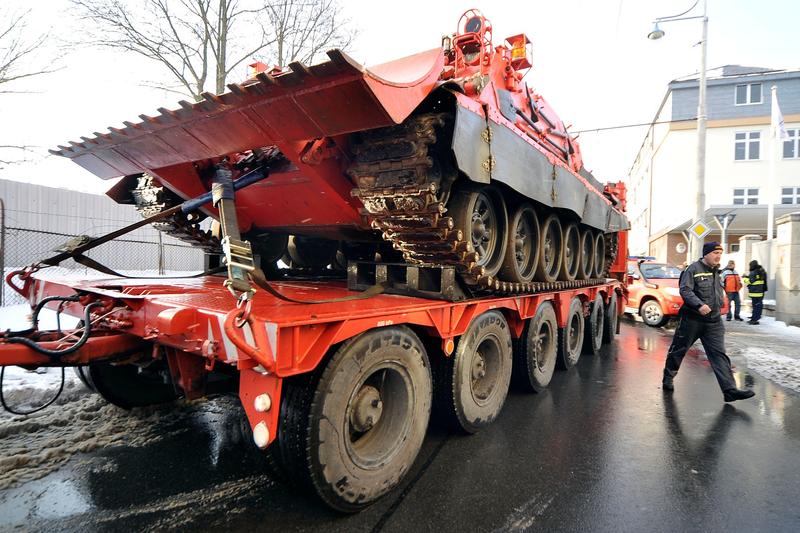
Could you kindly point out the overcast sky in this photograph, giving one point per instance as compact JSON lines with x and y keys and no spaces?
{"x":592,"y":61}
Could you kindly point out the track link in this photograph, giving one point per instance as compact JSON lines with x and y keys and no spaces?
{"x":151,"y":199}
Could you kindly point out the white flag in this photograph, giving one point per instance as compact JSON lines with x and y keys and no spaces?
{"x":778,"y":127}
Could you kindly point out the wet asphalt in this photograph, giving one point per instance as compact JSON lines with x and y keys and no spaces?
{"x":604,"y":449}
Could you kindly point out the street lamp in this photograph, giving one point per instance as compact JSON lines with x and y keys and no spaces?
{"x":700,"y":206}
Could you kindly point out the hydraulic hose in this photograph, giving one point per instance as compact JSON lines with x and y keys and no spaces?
{"x":57,"y":354}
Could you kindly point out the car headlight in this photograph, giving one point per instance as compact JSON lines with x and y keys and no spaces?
{"x":672,"y":291}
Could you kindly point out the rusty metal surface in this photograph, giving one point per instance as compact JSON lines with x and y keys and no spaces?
{"x":332,"y":98}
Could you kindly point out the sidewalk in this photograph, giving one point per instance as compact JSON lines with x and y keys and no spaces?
{"x":771,"y":349}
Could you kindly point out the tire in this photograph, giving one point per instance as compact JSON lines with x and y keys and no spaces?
{"x":652,"y":314}
{"x":572,"y":252}
{"x":570,"y":337}
{"x":128,"y":386}
{"x":535,"y":351}
{"x":353,"y":434}
{"x":472,"y":385}
{"x":480,"y":214}
{"x":587,"y":246}
{"x":522,"y":248}
{"x":595,"y":327}
{"x":551,"y":250}
{"x":610,"y":323}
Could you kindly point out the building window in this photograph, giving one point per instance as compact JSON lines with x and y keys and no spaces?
{"x":790,"y":195}
{"x":745,"y":196}
{"x":747,"y":145}
{"x":734,"y":247}
{"x":791,"y":150}
{"x":749,"y":93}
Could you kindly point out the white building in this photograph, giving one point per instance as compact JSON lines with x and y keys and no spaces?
{"x":661,"y":182}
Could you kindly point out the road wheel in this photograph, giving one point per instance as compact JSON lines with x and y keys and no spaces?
{"x":570,"y":337}
{"x":610,"y":323}
{"x":357,"y":436}
{"x":472,"y":385}
{"x":651,"y":313}
{"x":535,"y":351}
{"x":130,"y":385}
{"x":587,"y":246}
{"x":572,"y":252}
{"x":599,"y":255}
{"x":594,"y":327}
{"x":550,"y":250}
{"x":309,"y":252}
{"x":481,"y":216}
{"x":522,"y":249}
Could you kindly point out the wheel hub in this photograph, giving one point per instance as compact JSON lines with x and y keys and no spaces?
{"x":367,"y":409}
{"x":478,"y":367}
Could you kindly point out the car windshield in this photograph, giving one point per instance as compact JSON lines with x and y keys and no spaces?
{"x":659,"y":271}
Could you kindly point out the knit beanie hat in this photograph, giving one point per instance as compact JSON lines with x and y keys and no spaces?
{"x":710,"y":247}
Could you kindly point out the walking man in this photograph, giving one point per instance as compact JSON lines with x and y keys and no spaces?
{"x":732,"y":283}
{"x":756,"y":281}
{"x":700,"y":318}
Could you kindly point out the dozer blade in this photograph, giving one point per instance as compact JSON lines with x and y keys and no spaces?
{"x":331,"y":98}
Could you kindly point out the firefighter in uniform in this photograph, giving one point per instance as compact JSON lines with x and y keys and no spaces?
{"x":700,"y":318}
{"x":756,"y":282}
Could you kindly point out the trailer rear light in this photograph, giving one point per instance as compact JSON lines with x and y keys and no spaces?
{"x":261,"y":435}
{"x":262,"y":403}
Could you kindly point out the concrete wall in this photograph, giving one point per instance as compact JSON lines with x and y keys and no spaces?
{"x":787,"y":294}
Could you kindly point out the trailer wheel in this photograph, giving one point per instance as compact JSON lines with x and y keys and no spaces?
{"x":367,"y":420}
{"x":570,"y":337}
{"x":472,"y":385}
{"x":610,"y":324}
{"x":129,"y":385}
{"x":594,"y":327}
{"x":535,"y":351}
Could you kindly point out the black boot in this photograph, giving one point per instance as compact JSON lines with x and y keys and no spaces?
{"x":737,"y":394}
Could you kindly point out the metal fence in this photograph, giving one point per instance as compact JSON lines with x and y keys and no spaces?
{"x":22,"y":247}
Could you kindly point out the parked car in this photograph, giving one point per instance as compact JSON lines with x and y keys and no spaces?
{"x":653,"y":290}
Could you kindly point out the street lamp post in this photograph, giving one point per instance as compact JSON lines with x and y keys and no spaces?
{"x":696,"y":243}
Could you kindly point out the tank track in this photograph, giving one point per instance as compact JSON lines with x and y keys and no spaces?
{"x":151,"y":199}
{"x":404,"y":192}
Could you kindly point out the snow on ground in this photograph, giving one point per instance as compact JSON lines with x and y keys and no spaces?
{"x":783,"y":370}
{"x":771,"y":348}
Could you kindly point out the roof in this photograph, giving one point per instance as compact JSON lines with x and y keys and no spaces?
{"x":732,"y":71}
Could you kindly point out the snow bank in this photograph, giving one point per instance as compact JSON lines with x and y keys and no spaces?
{"x":783,"y":370}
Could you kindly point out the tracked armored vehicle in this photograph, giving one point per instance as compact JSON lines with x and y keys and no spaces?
{"x":445,"y":157}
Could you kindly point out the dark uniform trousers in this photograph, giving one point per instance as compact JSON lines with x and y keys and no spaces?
{"x":712,"y":335}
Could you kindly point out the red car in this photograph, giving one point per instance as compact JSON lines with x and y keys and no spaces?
{"x":653,"y":290}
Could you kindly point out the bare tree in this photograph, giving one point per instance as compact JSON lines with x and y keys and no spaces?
{"x":202,"y":41}
{"x":17,"y":49}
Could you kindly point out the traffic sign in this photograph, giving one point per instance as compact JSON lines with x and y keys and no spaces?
{"x":700,"y":229}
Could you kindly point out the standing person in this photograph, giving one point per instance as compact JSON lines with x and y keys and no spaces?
{"x":700,"y":318}
{"x":732,"y":283}
{"x":756,"y":281}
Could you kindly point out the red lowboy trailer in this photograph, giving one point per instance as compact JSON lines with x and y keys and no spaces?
{"x":338,"y":393}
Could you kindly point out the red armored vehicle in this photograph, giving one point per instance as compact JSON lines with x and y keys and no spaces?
{"x":446,"y":155}
{"x":475,"y":243}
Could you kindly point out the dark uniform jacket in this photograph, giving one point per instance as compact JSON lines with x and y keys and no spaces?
{"x":699,"y":284}
{"x":756,"y":282}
